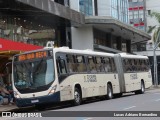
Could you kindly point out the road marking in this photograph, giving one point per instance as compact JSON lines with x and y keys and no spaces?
{"x":129,"y":107}
{"x":87,"y":119}
{"x":157,"y":100}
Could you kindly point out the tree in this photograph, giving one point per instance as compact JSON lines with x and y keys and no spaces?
{"x":155,"y":37}
{"x":155,"y":29}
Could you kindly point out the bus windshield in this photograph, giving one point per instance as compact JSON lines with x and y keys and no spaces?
{"x":33,"y":75}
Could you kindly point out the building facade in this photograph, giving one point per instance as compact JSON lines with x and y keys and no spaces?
{"x":137,"y":14}
{"x":115,"y":8}
{"x":37,"y":21}
{"x":106,"y":26}
{"x":151,"y":6}
{"x":29,"y":24}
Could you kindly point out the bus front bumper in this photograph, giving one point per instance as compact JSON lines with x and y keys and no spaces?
{"x":24,"y":102}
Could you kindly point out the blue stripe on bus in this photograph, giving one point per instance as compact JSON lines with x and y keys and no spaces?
{"x":42,"y":100}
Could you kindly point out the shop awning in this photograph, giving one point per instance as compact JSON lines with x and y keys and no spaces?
{"x":14,"y":47}
{"x":9,"y":48}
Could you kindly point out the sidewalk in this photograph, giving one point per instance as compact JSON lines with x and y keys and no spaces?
{"x":6,"y":107}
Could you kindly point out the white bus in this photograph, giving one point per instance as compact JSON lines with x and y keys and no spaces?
{"x":61,"y":74}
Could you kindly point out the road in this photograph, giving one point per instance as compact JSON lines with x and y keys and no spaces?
{"x":150,"y":101}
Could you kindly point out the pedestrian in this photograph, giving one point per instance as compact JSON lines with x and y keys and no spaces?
{"x":4,"y":92}
{"x":1,"y":100}
{"x":10,"y":90}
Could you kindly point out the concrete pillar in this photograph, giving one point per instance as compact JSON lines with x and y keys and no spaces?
{"x":119,"y":43}
{"x":128,"y":45}
{"x":109,"y":40}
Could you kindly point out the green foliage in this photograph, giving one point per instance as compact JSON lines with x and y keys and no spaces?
{"x":156,"y":16}
{"x":151,"y":28}
{"x":156,"y":28}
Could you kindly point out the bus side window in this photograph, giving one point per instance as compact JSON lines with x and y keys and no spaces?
{"x":113,"y":65}
{"x":61,"y":66}
{"x":147,"y":64}
{"x":99,"y":64}
{"x":132,"y":65}
{"x":91,"y":64}
{"x":71,"y":63}
{"x":81,"y":66}
{"x":129,"y":69}
{"x":125,"y":65}
{"x":138,"y":66}
{"x":107,"y":64}
{"x":144,"y":65}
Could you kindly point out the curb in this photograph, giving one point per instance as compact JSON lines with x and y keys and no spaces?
{"x":19,"y":110}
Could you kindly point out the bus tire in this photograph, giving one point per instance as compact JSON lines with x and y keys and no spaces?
{"x":142,"y":90}
{"x":109,"y":92}
{"x":77,"y":97}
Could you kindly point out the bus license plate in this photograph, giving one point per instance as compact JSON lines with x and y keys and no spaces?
{"x":34,"y":101}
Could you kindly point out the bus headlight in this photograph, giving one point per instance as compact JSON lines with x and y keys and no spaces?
{"x":16,"y":95}
{"x":53,"y":89}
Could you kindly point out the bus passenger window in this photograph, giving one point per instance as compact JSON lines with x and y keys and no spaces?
{"x":61,"y":66}
{"x":81,"y":66}
{"x":107,"y":64}
{"x":125,"y":65}
{"x":144,"y":65}
{"x":133,"y":68}
{"x":91,"y":64}
{"x":139,"y":65}
{"x":71,"y":63}
{"x":129,"y":69}
{"x":147,"y":65}
{"x":99,"y":65}
{"x":113,"y":65}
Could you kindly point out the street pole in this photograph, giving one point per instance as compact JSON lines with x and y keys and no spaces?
{"x":155,"y":60}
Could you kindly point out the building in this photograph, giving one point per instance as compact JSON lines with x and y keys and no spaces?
{"x":106,"y":26}
{"x":99,"y":25}
{"x":137,"y":19}
{"x":32,"y":23}
{"x":37,"y":21}
{"x":137,"y":14}
{"x":151,"y":6}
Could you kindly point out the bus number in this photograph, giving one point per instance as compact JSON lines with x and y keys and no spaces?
{"x":90,"y":78}
{"x":133,"y":76}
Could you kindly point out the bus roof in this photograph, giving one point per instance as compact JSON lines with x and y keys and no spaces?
{"x":88,"y":52}
{"x":124,"y":55}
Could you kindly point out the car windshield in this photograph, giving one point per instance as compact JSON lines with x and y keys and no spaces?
{"x":33,"y":74}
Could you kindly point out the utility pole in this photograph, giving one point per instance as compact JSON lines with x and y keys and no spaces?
{"x":156,"y":44}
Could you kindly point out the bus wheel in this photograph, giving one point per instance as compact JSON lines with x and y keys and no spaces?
{"x":77,"y":97}
{"x":142,"y":90}
{"x":109,"y":92}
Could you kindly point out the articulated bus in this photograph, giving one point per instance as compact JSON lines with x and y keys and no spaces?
{"x":52,"y":75}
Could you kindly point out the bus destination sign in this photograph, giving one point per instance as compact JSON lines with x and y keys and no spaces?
{"x":33,"y":55}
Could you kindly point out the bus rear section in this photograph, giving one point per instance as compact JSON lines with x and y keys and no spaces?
{"x":135,"y":74}
{"x":34,"y":80}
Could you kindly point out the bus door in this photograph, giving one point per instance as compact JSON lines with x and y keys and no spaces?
{"x":118,"y":61}
{"x":63,"y":78}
